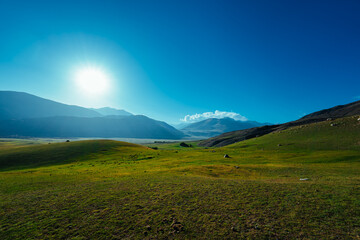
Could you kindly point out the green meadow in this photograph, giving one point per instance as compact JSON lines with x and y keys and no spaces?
{"x":103,"y":189}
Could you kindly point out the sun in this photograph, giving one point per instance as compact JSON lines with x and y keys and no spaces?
{"x":92,"y":81}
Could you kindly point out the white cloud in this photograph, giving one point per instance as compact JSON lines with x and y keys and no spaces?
{"x":217,"y":114}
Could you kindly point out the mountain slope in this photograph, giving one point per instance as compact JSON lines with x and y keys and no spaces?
{"x":20,"y":105}
{"x":340,"y":111}
{"x":107,"y":111}
{"x":335,"y":135}
{"x":126,"y":127}
{"x":26,"y":115}
{"x":215,"y":126}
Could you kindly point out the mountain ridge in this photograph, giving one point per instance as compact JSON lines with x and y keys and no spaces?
{"x":214,"y":126}
{"x":21,"y":105}
{"x":339,"y":111}
{"x":26,"y":115}
{"x":136,"y":126}
{"x":108,"y":111}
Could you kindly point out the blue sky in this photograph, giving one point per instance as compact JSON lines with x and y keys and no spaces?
{"x":269,"y":61}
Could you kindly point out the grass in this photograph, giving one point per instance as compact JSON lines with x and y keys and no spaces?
{"x":115,"y":190}
{"x":60,"y":153}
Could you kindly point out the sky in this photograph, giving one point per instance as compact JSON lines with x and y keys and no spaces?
{"x":266,"y":61}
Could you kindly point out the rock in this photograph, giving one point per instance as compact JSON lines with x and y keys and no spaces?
{"x":329,"y":119}
{"x":359,"y":119}
{"x":279,"y":145}
{"x":182,"y":144}
{"x":226,"y":156}
{"x":304,"y":179}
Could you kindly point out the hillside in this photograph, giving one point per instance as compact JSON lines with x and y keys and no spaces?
{"x":61,"y":153}
{"x":135,"y":126}
{"x":115,"y":190}
{"x":340,"y":111}
{"x":337,"y":134}
{"x":107,"y":111}
{"x":215,"y":126}
{"x":26,"y":115}
{"x":20,"y":105}
{"x":323,"y":115}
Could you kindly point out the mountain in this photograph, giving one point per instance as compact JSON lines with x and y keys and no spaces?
{"x":215,"y":126}
{"x":340,"y":111}
{"x":107,"y":111}
{"x":26,"y":115}
{"x":180,"y":125}
{"x":20,"y":105}
{"x":135,"y":126}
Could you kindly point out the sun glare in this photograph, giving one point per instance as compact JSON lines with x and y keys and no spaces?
{"x":92,"y":81}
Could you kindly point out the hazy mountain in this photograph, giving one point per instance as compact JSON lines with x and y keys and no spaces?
{"x":215,"y":126}
{"x":137,"y":126}
{"x":20,"y":105}
{"x":26,"y":115}
{"x":107,"y":111}
{"x":180,"y":125}
{"x":340,"y":111}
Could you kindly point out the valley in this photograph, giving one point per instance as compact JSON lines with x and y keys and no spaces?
{"x":115,"y":190}
{"x":172,"y":120}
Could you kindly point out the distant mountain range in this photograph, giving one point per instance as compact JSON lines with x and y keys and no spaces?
{"x":26,"y":115}
{"x":340,"y":111}
{"x":215,"y":126}
{"x":20,"y":105}
{"x":106,"y":111}
{"x":127,"y":127}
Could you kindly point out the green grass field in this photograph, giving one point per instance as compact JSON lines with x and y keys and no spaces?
{"x":115,"y":190}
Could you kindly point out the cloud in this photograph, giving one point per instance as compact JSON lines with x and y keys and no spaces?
{"x":217,"y":114}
